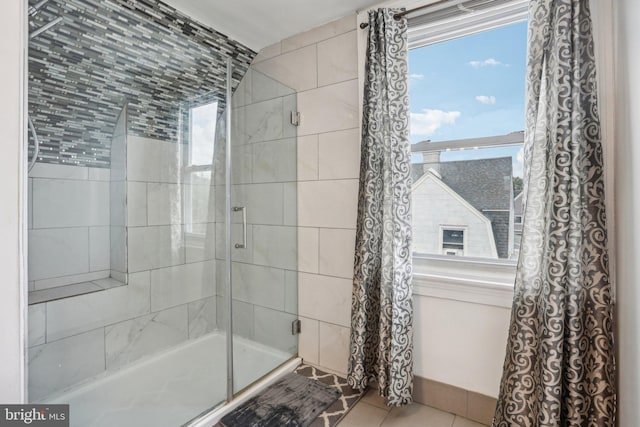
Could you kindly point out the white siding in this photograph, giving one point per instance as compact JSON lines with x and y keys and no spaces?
{"x":434,"y":206}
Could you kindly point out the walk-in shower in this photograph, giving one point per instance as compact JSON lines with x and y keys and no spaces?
{"x":162,"y":215}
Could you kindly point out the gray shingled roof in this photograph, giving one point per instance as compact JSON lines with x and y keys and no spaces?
{"x":486,"y":184}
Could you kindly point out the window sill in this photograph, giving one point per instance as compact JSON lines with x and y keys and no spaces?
{"x":476,"y":281}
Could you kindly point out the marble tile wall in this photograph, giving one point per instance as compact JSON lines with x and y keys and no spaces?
{"x":171,"y":293}
{"x":69,"y":237}
{"x":263,"y":153}
{"x":59,"y":364}
{"x":321,"y":64}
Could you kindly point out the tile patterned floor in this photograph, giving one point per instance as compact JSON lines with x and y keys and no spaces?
{"x":372,"y":412}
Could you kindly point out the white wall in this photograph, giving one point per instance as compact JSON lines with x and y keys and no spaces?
{"x":435,"y":207}
{"x":12,"y":293}
{"x":627,"y":190}
{"x":460,"y":343}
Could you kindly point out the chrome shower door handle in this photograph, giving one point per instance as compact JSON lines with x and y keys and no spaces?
{"x":242,"y":245}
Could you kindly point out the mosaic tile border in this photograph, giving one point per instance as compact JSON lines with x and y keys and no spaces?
{"x":105,"y":53}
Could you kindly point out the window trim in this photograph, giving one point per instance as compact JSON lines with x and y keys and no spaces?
{"x":474,"y":280}
{"x":461,"y":22}
{"x":603,"y":17}
{"x":189,"y":165}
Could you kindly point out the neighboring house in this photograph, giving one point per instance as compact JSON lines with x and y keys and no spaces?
{"x":463,"y":207}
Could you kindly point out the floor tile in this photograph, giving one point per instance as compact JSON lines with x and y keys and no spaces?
{"x":463,"y":422}
{"x":417,"y":415}
{"x":372,"y":397}
{"x":364,"y":415}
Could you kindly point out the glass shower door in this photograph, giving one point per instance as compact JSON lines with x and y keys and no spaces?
{"x":263,"y":232}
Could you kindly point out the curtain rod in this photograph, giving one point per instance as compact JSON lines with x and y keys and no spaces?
{"x":399,"y":15}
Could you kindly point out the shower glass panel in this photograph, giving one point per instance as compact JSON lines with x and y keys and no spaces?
{"x":263,"y":233}
{"x":150,"y":352}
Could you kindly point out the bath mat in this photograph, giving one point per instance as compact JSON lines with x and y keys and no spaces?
{"x":293,"y":401}
{"x":341,"y":407}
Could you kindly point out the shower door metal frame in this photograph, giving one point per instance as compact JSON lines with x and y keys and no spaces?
{"x":227,"y":225}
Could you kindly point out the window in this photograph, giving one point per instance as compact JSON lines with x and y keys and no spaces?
{"x":466,"y":76}
{"x":453,"y":241}
{"x":200,"y":133}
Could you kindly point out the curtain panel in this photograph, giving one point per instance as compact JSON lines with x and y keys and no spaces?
{"x":559,"y":368}
{"x":382,"y":310}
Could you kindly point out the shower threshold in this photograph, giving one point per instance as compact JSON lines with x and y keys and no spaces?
{"x":212,"y":417}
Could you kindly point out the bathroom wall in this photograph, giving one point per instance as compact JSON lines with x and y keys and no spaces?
{"x":263,"y":155}
{"x":170,"y":296}
{"x":68,"y":225}
{"x":322,"y":65}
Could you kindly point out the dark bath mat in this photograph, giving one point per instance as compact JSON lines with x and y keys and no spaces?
{"x":293,"y":401}
{"x":338,"y":409}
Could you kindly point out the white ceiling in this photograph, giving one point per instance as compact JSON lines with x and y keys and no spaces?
{"x":260,"y":23}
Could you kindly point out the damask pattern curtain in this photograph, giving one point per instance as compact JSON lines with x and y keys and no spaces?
{"x":559,"y":368}
{"x":382,"y":308}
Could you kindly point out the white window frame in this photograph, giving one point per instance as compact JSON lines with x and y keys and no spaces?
{"x":462,"y":228}
{"x":189,"y":170}
{"x":493,"y":284}
{"x":488,"y":281}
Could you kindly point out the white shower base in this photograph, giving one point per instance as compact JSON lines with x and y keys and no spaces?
{"x":170,"y":388}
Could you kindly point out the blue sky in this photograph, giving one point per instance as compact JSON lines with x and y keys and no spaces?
{"x":470,"y":87}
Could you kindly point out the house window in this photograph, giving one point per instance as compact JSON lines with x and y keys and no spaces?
{"x":453,"y":241}
{"x":467,"y":77}
{"x":202,"y":131}
{"x":199,"y":135}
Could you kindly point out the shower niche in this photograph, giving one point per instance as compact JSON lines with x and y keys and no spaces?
{"x":77,"y":231}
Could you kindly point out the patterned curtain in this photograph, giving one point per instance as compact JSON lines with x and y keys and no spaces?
{"x":559,"y":368}
{"x":382,"y":308}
